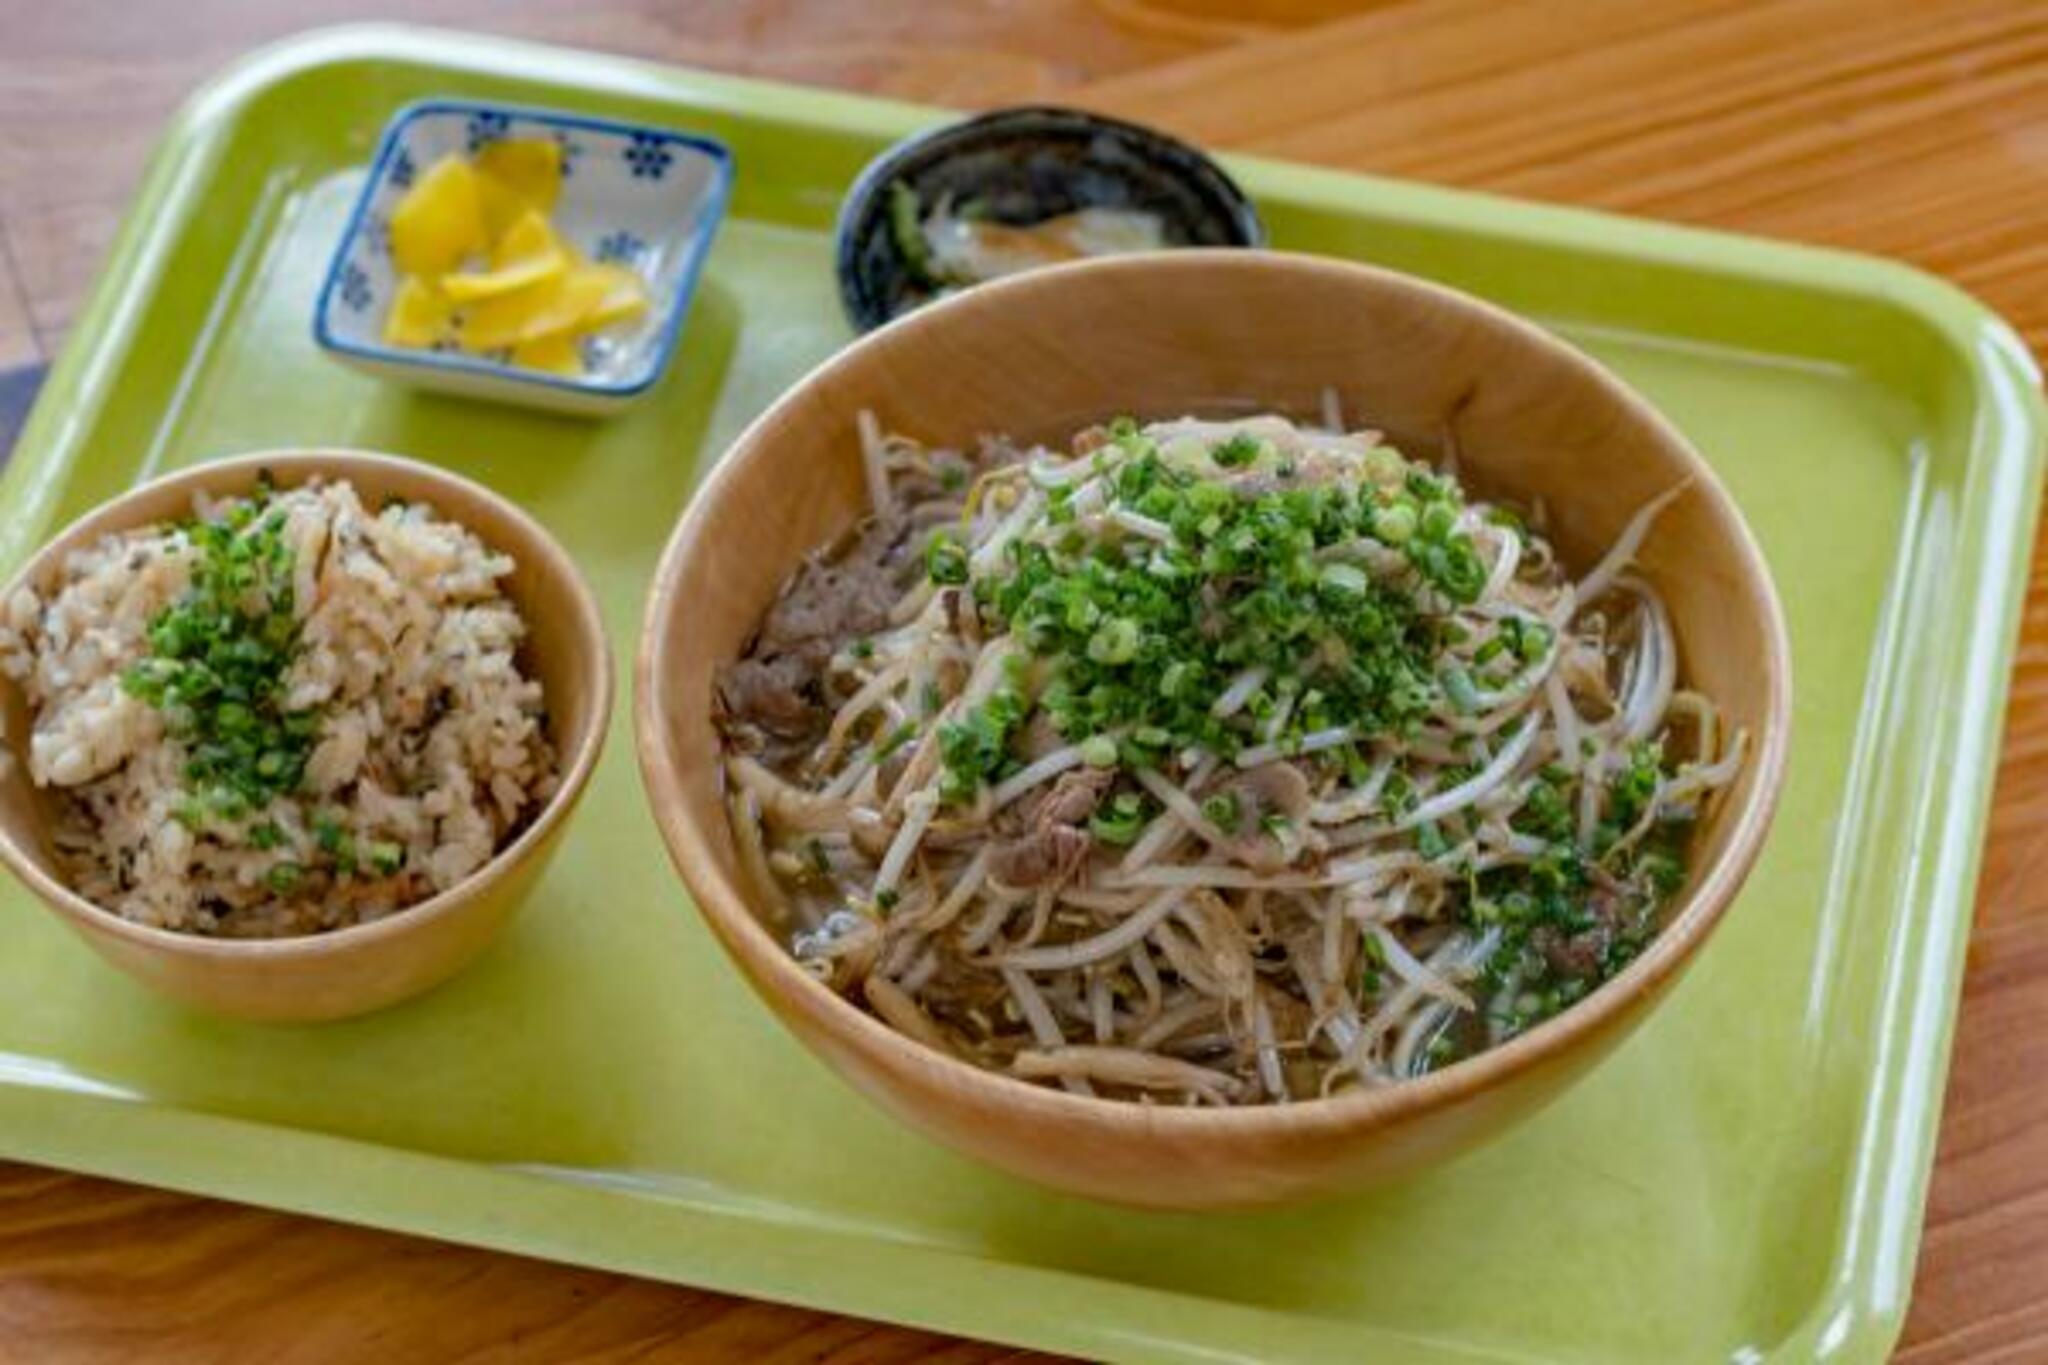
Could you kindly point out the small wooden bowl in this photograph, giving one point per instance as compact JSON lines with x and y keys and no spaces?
{"x":364,"y":967}
{"x":1211,"y":332}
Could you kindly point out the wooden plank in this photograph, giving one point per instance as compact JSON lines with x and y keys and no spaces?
{"x":93,"y":1271}
{"x":1918,"y":131}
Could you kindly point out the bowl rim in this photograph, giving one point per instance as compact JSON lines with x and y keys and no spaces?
{"x":863,"y":195}
{"x":696,"y":243}
{"x":775,"y":974}
{"x":576,"y":767}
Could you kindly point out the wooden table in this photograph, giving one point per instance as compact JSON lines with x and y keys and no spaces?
{"x":1919,"y":130}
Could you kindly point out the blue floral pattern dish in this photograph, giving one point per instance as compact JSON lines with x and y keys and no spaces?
{"x":646,"y":198}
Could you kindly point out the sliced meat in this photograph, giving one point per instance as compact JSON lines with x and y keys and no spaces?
{"x":1578,"y":956}
{"x":1582,"y":955}
{"x":1069,"y":800}
{"x":778,"y":686}
{"x":1054,"y":843}
{"x":1073,"y":797}
{"x":832,"y":602}
{"x":827,"y":606}
{"x":1049,"y":855}
{"x":1272,"y":789}
{"x":773,"y":694}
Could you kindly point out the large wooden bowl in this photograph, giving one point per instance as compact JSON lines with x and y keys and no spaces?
{"x":1210,"y":332}
{"x":363,"y":967}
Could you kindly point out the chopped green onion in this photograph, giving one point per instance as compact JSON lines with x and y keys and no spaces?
{"x":1116,"y":642}
{"x":328,"y":833}
{"x":1099,"y":751}
{"x":1395,"y":525}
{"x":1120,"y":822}
{"x":1239,"y":450}
{"x":1347,"y":580}
{"x":1458,"y":687}
{"x":1221,"y":810}
{"x":945,"y":559}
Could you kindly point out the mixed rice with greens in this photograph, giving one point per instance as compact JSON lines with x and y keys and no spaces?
{"x":285,"y":715}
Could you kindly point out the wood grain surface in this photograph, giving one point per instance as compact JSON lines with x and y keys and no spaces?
{"x":1916,"y":128}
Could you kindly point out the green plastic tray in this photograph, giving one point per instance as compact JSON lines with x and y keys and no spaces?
{"x":1742,"y":1181}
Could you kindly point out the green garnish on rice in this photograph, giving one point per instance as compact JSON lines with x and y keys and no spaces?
{"x":217,"y":665}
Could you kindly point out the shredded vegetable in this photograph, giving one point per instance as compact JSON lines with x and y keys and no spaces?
{"x":1214,"y":762}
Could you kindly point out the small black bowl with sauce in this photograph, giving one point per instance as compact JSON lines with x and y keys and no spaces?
{"x":1009,"y":190}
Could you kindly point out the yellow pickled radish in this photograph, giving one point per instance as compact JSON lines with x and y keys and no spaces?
{"x":555,"y":305}
{"x":523,"y":273}
{"x":568,"y":306}
{"x":556,"y":353}
{"x":625,"y":296}
{"x":499,"y":203}
{"x":439,"y":222}
{"x":529,"y":169}
{"x":534,"y":295}
{"x":420,"y":315}
{"x":530,"y":235}
{"x":500,"y":322}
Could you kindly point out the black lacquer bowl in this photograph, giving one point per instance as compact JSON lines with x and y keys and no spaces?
{"x":1022,"y":166}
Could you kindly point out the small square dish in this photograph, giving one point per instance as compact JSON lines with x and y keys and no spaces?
{"x":641,"y":198}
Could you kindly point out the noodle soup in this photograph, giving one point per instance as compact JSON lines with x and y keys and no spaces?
{"x":1212,"y":762}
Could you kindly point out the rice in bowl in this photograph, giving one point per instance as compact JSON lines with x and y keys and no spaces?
{"x":287,"y":715}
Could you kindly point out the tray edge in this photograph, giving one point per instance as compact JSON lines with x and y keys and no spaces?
{"x":1994,"y":357}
